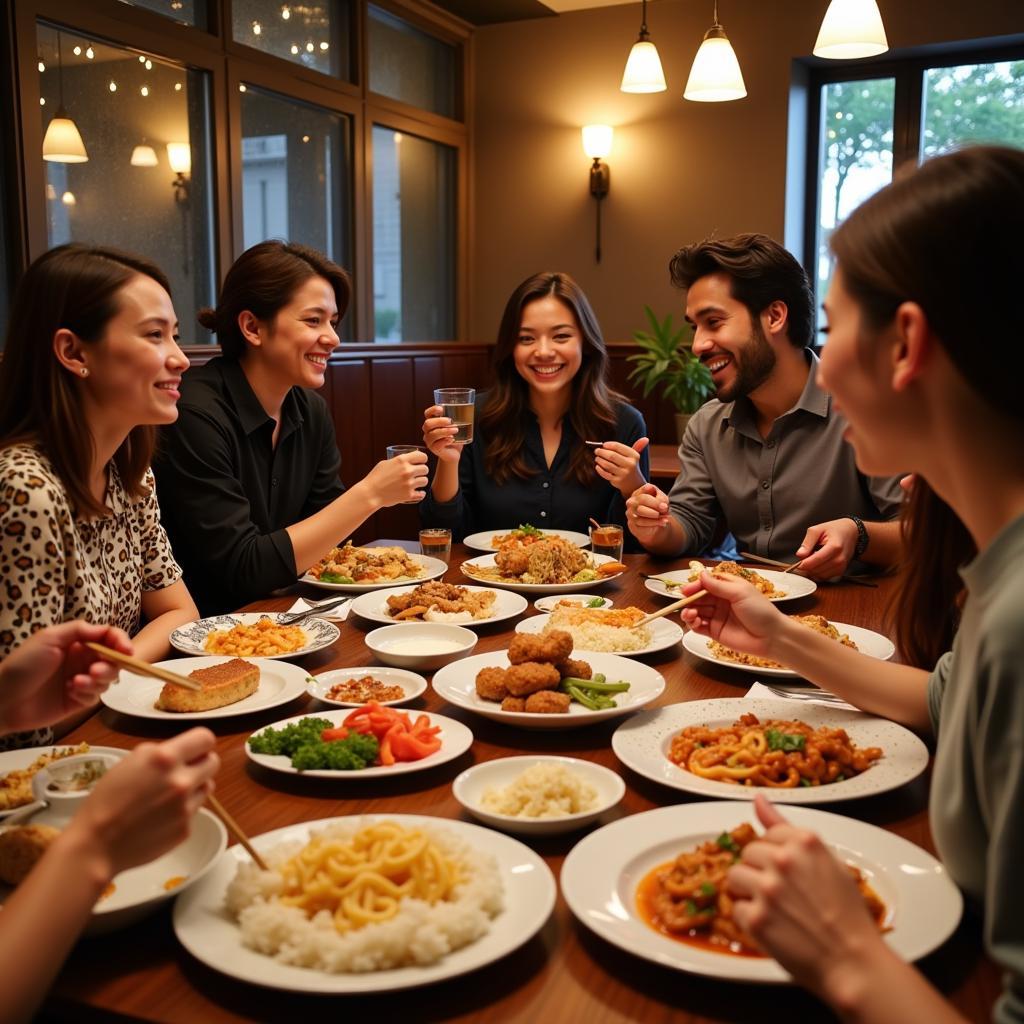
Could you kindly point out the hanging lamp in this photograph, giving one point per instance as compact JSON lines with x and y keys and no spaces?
{"x":715,"y":76}
{"x":643,"y":66}
{"x":851,"y":29}
{"x":63,"y":143}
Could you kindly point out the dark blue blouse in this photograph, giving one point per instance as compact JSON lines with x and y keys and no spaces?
{"x":547,"y":499}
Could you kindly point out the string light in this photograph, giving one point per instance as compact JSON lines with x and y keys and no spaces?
{"x":305,"y":138}
{"x":42,"y":101}
{"x":68,"y":199}
{"x":42,"y":67}
{"x":142,"y":58}
{"x":77,"y":51}
{"x":144,"y":90}
{"x":295,"y":49}
{"x":241,"y":86}
{"x":113,"y":86}
{"x":90,"y":53}
{"x":286,"y":12}
{"x":177,"y":86}
{"x":309,"y":47}
{"x":323,"y":46}
{"x":149,"y":65}
{"x":257,"y":28}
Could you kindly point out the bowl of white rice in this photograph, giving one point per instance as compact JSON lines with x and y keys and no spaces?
{"x":538,"y":794}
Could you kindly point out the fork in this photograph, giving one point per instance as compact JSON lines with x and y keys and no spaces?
{"x":290,"y":618}
{"x":822,"y":696}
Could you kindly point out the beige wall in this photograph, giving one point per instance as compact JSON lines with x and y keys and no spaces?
{"x":679,"y":170}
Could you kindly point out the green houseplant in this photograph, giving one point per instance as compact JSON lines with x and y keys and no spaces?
{"x":666,"y":359}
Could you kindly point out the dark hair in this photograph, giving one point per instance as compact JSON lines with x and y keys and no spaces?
{"x":263,"y":280}
{"x":73,"y":287}
{"x":502,"y":415}
{"x":760,"y":272}
{"x":946,"y":236}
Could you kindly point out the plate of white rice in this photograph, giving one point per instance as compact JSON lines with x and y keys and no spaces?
{"x":230,"y":920}
{"x":599,"y":629}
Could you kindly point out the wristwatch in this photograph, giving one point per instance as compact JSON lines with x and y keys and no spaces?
{"x":862,"y":537}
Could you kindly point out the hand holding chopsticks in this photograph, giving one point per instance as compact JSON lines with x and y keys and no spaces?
{"x":673,"y":607}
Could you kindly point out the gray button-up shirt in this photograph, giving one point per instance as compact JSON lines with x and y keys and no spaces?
{"x":770,"y":490}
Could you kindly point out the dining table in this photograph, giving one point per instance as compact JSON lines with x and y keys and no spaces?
{"x":564,"y":972}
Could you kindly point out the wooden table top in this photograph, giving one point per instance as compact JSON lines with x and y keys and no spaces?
{"x":564,"y":973}
{"x":664,"y":462}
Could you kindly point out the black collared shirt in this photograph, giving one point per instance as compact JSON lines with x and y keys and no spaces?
{"x":549,"y":498}
{"x":226,"y":494}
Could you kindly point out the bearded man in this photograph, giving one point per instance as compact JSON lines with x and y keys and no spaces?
{"x":766,"y":458}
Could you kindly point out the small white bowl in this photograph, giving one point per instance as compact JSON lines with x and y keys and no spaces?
{"x":408,"y":645}
{"x":411,"y":682}
{"x":62,"y":804}
{"x":469,"y":788}
{"x":549,"y":603}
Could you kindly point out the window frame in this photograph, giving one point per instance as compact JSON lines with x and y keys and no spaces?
{"x":228,"y":63}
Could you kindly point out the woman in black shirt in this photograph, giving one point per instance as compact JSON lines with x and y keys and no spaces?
{"x":528,"y":462}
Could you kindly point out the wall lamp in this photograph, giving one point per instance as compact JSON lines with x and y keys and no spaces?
{"x":597,"y":144}
{"x":179,"y":156}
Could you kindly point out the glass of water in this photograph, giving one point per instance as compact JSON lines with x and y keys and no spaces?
{"x":458,"y":406}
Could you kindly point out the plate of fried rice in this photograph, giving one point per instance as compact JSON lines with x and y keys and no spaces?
{"x":613,"y":629}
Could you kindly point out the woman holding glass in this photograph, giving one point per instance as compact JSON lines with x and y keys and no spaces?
{"x":529,"y":461}
{"x":924,"y":358}
{"x":249,"y":473}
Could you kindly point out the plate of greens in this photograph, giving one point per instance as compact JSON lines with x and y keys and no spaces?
{"x":295,"y":746}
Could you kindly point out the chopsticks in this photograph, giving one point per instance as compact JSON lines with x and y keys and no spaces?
{"x":673,"y":607}
{"x":236,"y":830}
{"x":142,"y":668}
{"x":747,"y":556}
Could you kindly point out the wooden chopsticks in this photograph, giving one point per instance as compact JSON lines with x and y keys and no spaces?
{"x":236,"y":830}
{"x":143,"y":668}
{"x":673,"y":607}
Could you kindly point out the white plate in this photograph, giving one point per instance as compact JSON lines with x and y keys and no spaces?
{"x":455,"y":738}
{"x":411,"y":682}
{"x":548,"y":604}
{"x":456,"y":683}
{"x":136,"y":695}
{"x":664,"y":633}
{"x":209,"y":933}
{"x":191,"y":638}
{"x":487,"y":562}
{"x":644,"y":741}
{"x":600,"y":876}
{"x":794,"y":586}
{"x":482,"y":541}
{"x":374,"y":606}
{"x":868,"y":642}
{"x":433,"y":568}
{"x":12,"y":760}
{"x":469,"y":788}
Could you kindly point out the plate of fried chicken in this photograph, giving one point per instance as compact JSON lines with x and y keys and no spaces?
{"x":540,"y":682}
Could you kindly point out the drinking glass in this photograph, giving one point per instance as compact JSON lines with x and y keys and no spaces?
{"x":402,"y":449}
{"x":607,"y":540}
{"x":457,"y":404}
{"x":436,"y":541}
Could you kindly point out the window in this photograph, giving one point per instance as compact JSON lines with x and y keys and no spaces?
{"x":145,"y":182}
{"x":188,"y":12}
{"x":867,"y":119}
{"x":413,"y":237}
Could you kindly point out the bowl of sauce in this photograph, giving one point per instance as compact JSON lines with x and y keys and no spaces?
{"x":420,"y":645}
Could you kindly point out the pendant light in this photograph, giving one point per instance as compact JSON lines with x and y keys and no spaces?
{"x":643,"y":67}
{"x":715,"y":76}
{"x":850,"y":29}
{"x":63,"y":143}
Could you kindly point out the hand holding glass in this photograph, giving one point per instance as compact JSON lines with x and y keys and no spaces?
{"x":458,"y":405}
{"x":403,"y":449}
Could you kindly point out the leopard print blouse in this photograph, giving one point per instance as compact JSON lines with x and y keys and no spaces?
{"x":55,"y":567}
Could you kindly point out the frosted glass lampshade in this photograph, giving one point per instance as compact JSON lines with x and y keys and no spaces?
{"x":850,"y":29}
{"x":179,"y":156}
{"x":144,"y":156}
{"x":62,"y":143}
{"x":715,"y":76}
{"x":597,"y":140}
{"x":643,"y":69}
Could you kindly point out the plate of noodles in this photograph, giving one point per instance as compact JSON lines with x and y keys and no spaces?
{"x":776,"y":586}
{"x":613,"y":630}
{"x":612,"y":877}
{"x":559,"y":569}
{"x":253,"y":635}
{"x":135,"y":695}
{"x":804,"y":754}
{"x":355,"y":570}
{"x":866,"y":641}
{"x":491,"y":540}
{"x":504,"y":896}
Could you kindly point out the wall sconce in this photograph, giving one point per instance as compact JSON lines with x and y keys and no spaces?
{"x":597,"y":143}
{"x":850,"y":29}
{"x":144,"y":156}
{"x":179,"y":156}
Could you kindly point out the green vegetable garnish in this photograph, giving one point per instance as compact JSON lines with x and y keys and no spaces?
{"x":784,"y":741}
{"x":707,"y":889}
{"x":691,"y":907}
{"x":527,"y":530}
{"x":335,"y":577}
{"x":805,"y":782}
{"x":301,"y":742}
{"x":726,"y":842}
{"x":586,"y":576}
{"x":595,"y":602}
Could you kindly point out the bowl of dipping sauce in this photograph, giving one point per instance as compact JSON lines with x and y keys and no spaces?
{"x":420,"y":645}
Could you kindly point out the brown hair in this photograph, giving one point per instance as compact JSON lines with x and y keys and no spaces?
{"x":507,"y":404}
{"x":946,"y":236}
{"x":73,"y":287}
{"x":760,"y":272}
{"x":262,"y":281}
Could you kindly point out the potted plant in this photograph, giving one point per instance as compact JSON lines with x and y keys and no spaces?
{"x":666,"y":359}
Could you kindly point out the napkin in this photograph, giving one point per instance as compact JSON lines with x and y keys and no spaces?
{"x":337,"y":614}
{"x":761,"y":692}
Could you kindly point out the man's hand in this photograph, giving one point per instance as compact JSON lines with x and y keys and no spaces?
{"x":647,"y":512}
{"x":827,"y":549}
